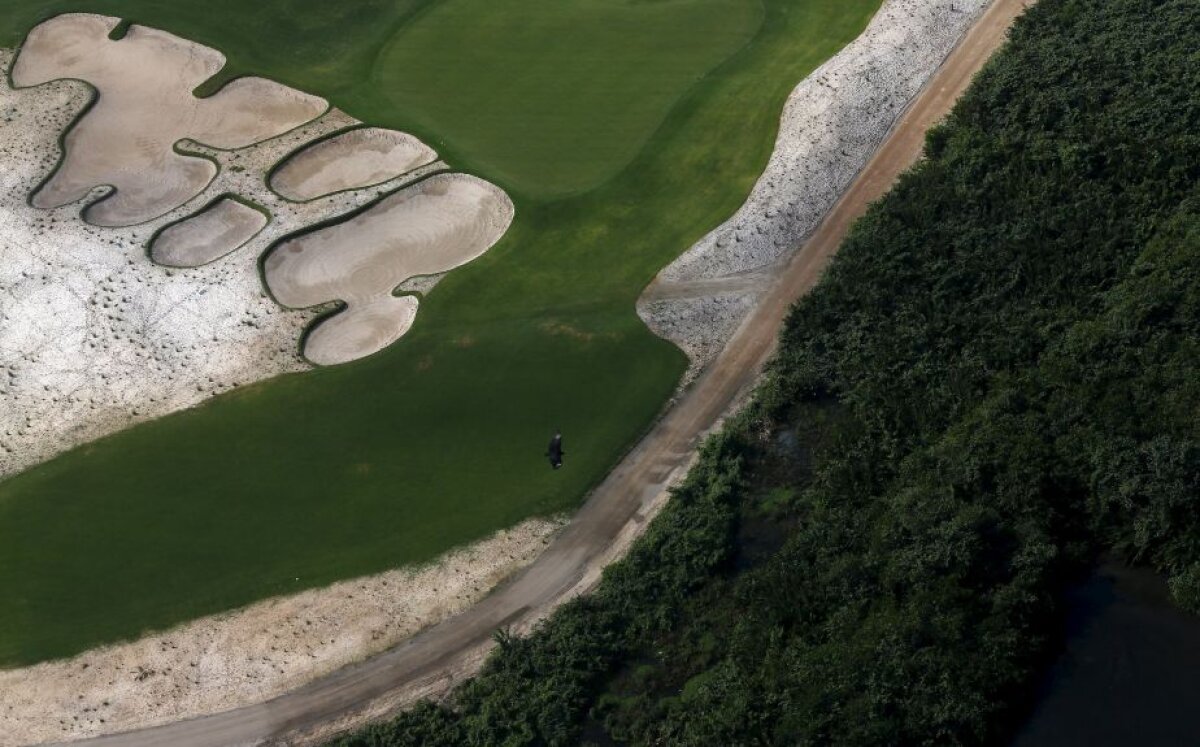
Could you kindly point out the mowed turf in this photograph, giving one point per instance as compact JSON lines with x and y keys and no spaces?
{"x":437,"y":441}
{"x":574,"y":113}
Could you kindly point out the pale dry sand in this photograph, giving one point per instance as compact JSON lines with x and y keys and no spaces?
{"x":252,"y":654}
{"x":350,"y":160}
{"x":207,"y":235}
{"x":433,"y":226}
{"x":144,"y":105}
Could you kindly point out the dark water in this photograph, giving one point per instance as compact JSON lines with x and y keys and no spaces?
{"x":1130,"y":674}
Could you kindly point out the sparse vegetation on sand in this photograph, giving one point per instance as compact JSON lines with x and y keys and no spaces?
{"x":438,"y":440}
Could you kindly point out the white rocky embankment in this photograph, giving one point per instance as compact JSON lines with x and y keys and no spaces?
{"x":832,"y":123}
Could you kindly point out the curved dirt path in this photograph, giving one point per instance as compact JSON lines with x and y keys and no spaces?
{"x":614,"y":513}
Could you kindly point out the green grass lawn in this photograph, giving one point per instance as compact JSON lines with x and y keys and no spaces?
{"x":437,"y":441}
{"x":573,"y":113}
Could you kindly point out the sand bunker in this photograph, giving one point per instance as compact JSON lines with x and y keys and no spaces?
{"x":350,"y":160}
{"x":208,"y":235}
{"x":144,"y":106}
{"x":94,"y":336}
{"x":428,"y":228}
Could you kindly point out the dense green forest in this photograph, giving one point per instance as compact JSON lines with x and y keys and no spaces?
{"x":994,"y":385}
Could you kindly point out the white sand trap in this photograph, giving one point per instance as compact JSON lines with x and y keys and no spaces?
{"x":144,"y":106}
{"x":431,"y":227}
{"x":207,"y":235}
{"x":351,"y":160}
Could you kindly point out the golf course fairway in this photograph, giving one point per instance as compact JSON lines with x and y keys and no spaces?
{"x":622,"y":129}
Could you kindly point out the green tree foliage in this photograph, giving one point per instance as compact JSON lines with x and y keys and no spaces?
{"x":994,"y":383}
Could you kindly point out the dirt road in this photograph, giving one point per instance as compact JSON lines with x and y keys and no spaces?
{"x":613,"y":514}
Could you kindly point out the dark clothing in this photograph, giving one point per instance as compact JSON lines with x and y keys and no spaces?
{"x":554,"y":452}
